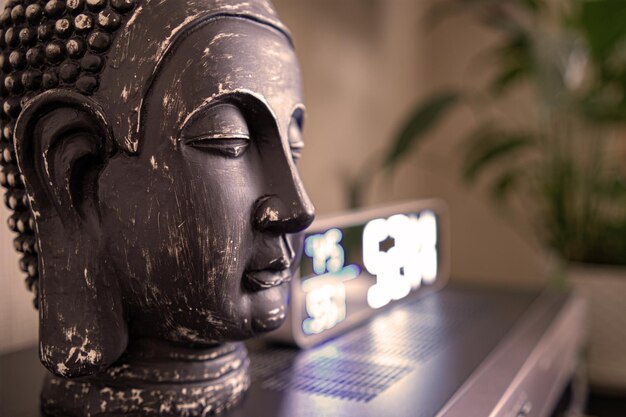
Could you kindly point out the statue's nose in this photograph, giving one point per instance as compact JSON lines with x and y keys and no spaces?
{"x":287,"y":212}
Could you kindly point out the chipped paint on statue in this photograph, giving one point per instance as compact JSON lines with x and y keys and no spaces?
{"x":157,"y":200}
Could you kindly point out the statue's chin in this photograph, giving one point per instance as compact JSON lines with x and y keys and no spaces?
{"x":271,"y":321}
{"x":269,"y":308}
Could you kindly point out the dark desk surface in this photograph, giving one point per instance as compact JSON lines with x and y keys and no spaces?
{"x":408,"y":361}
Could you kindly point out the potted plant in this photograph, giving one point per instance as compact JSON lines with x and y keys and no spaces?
{"x":563,"y":168}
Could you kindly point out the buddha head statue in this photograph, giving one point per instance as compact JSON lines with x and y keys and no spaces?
{"x":149,"y":151}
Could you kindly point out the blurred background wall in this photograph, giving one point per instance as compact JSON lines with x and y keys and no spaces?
{"x":366,"y":63}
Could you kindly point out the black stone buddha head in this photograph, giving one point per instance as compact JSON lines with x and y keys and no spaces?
{"x":157,"y":194}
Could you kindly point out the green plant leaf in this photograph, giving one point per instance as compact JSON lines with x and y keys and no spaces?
{"x":603,"y":22}
{"x":534,"y":5}
{"x":515,"y":47}
{"x":504,"y":184}
{"x":598,"y":108}
{"x":612,"y":189}
{"x":507,"y":79}
{"x":515,"y":61}
{"x":488,"y":146}
{"x":423,"y":119}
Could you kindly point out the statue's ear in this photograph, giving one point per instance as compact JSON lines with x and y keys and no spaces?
{"x":62,"y":143}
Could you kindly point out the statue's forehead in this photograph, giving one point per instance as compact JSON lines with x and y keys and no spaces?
{"x":144,"y":42}
{"x":225,"y":57}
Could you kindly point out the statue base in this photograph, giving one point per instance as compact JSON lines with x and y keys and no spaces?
{"x":154,"y":379}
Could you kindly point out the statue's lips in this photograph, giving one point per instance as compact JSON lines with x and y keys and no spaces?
{"x":266,"y":278}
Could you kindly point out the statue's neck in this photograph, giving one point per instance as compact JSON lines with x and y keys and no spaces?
{"x":152,"y":375}
{"x":156,"y":350}
{"x":153,"y":360}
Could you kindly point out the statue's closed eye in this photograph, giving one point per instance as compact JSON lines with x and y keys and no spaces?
{"x":221,"y":129}
{"x":296,"y":143}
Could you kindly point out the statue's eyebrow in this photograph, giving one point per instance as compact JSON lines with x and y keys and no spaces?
{"x":233,"y":97}
{"x":218,"y":120}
